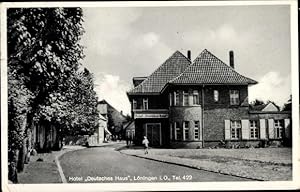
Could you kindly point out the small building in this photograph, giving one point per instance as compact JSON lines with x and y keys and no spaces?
{"x":130,"y":131}
{"x":115,"y":119}
{"x":201,"y":103}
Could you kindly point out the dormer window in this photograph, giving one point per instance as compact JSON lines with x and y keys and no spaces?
{"x":145,"y":103}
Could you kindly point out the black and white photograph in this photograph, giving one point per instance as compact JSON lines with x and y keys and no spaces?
{"x":149,"y":96}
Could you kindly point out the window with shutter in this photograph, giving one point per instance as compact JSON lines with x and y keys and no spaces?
{"x":227,"y":129}
{"x":262,"y":124}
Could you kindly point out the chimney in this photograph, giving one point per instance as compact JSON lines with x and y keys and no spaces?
{"x":189,"y":54}
{"x":231,"y":59}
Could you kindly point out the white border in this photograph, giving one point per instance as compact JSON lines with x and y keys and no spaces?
{"x":157,"y":186}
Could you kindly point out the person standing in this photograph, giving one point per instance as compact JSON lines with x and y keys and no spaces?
{"x":146,"y":144}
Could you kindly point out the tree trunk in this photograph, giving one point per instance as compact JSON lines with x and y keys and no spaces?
{"x":22,"y":156}
{"x":12,"y":167}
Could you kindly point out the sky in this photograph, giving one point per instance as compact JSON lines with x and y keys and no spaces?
{"x":125,"y":42}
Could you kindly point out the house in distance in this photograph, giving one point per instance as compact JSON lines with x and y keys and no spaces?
{"x":203,"y":103}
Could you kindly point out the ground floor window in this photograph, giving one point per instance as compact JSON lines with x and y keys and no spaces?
{"x":196,"y":130}
{"x":236,"y":129}
{"x":186,"y":127}
{"x":254,"y":130}
{"x":178,"y":131}
{"x":278,"y":128}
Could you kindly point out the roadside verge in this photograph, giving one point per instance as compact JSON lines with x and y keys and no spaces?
{"x":259,"y":171}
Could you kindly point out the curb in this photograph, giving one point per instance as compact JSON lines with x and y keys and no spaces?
{"x":61,"y":173}
{"x":192,"y":167}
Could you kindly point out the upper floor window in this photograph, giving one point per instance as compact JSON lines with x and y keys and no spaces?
{"x":216,"y":96}
{"x":134,"y":104}
{"x":185,"y":98}
{"x":195,"y":97}
{"x":176,"y":98}
{"x":236,"y":129}
{"x":145,"y":103}
{"x":234,"y":97}
{"x":253,"y":130}
{"x":278,"y":128}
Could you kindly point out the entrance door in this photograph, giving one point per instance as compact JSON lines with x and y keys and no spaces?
{"x":153,"y":131}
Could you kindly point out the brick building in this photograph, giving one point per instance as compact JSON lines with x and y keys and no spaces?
{"x":203,"y":103}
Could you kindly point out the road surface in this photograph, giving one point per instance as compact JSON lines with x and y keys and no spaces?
{"x":105,"y":165}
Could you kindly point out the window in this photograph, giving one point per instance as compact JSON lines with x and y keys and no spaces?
{"x":278,"y":128}
{"x":171,"y":131}
{"x":186,"y":126}
{"x":145,"y":104}
{"x":185,"y":98}
{"x":234,"y":97}
{"x":216,"y":95}
{"x":170,"y":99}
{"x":196,"y":130}
{"x":178,"y":135}
{"x":134,"y":104}
{"x":176,"y":98}
{"x":253,"y":130}
{"x":195,"y":97}
{"x":236,"y":129}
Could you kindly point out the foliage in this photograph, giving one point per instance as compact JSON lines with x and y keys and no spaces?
{"x":44,"y":81}
{"x":288,"y":106}
{"x":257,"y":102}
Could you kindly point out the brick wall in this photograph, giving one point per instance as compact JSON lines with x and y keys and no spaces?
{"x":214,"y":121}
{"x":184,"y":113}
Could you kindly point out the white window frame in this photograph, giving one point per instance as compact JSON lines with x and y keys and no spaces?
{"x":186,"y":129}
{"x":196,"y":95}
{"x":234,"y":96}
{"x":170,"y":99}
{"x":278,"y":128}
{"x":198,"y":130}
{"x":134,"y":104}
{"x":177,"y":129}
{"x":235,"y":127}
{"x":145,"y":104}
{"x":185,"y":95}
{"x":254,"y":130}
{"x":216,"y":96}
{"x":176,"y":98}
{"x":171,"y":131}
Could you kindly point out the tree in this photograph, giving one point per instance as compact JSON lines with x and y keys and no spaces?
{"x":288,"y":106}
{"x":257,"y":102}
{"x":43,"y":60}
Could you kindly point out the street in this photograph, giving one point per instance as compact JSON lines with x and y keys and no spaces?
{"x":104,"y":164}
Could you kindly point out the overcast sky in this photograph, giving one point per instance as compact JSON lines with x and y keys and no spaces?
{"x":125,"y":42}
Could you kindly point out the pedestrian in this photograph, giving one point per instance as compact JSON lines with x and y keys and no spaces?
{"x":146,"y":144}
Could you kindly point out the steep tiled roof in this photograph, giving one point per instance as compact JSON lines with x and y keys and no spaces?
{"x":170,"y":69}
{"x":208,"y":69}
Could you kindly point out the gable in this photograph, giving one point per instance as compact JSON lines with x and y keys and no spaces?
{"x":270,"y":107}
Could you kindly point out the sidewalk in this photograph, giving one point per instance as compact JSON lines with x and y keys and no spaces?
{"x":214,"y":161}
{"x":45,"y":171}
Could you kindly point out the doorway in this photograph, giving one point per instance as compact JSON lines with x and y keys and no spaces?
{"x":153,"y":133}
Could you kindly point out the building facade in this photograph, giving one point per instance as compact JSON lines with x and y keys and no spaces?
{"x":198,"y":104}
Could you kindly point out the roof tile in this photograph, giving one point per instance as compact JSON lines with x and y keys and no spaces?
{"x":208,"y":69}
{"x":170,"y":69}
